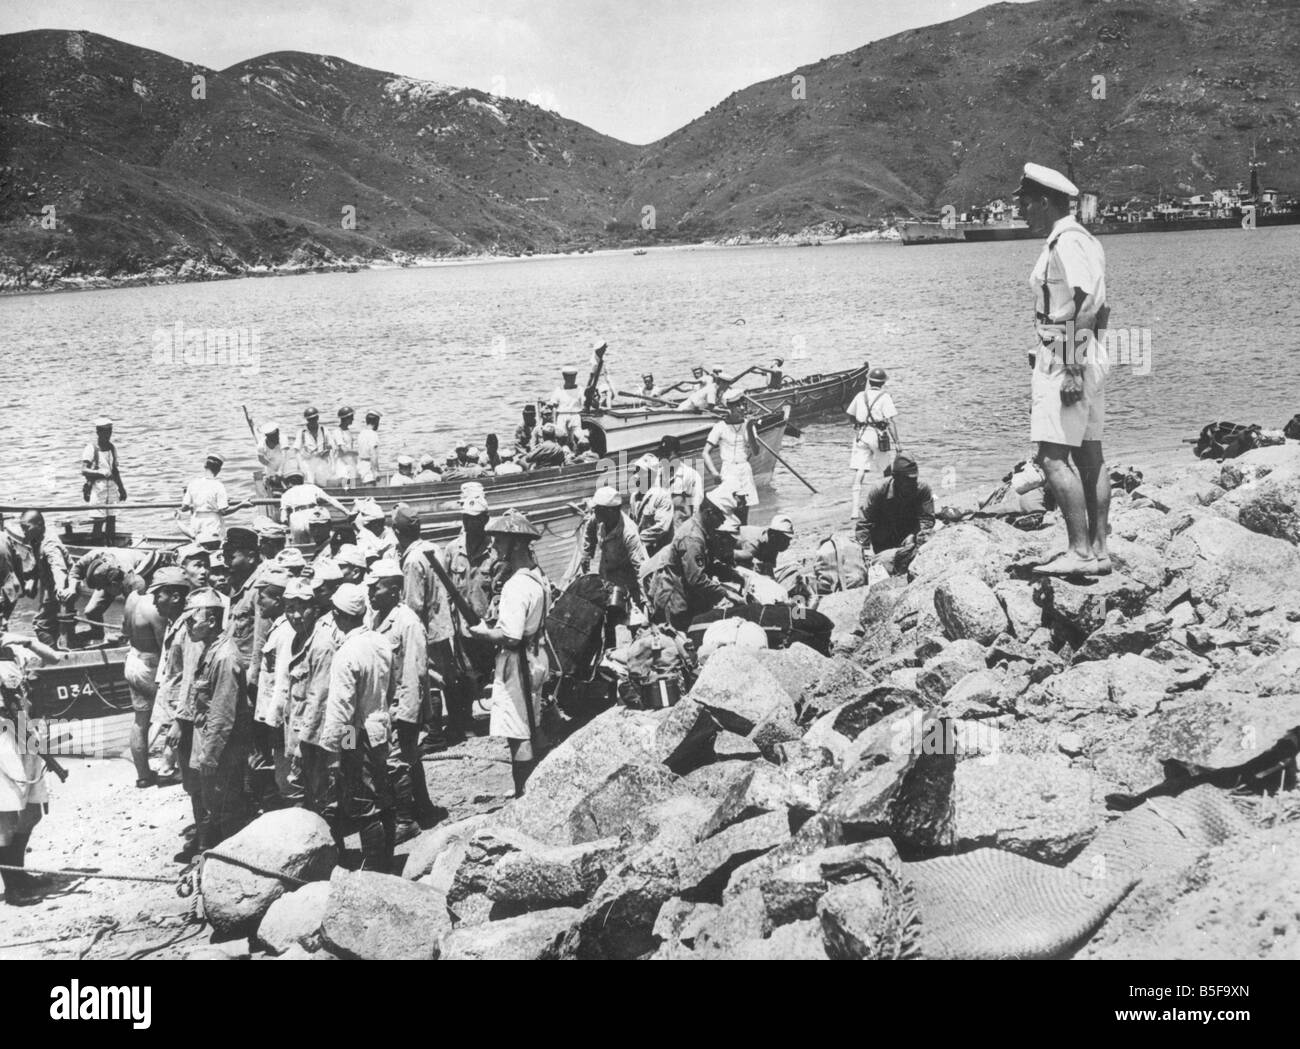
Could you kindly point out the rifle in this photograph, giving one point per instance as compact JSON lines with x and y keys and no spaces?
{"x":468,"y":614}
{"x":591,"y":398}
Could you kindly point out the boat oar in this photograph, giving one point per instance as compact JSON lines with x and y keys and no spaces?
{"x":790,"y":428}
{"x":784,"y":463}
{"x":646,"y":397}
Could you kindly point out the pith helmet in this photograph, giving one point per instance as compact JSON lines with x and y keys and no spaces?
{"x":512,"y":522}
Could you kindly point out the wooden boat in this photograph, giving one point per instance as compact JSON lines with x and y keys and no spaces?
{"x":82,"y":705}
{"x":812,"y":395}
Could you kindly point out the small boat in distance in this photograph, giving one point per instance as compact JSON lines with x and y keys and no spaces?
{"x":639,"y":251}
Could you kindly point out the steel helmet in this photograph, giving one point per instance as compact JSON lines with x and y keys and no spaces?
{"x":877,"y":377}
{"x":512,"y":522}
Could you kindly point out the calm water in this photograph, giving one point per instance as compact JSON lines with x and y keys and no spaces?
{"x":455,"y":351}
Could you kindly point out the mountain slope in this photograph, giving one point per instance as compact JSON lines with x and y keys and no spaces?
{"x":947,"y":114}
{"x":303,"y":161}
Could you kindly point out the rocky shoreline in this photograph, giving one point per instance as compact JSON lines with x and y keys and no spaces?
{"x":970,"y":774}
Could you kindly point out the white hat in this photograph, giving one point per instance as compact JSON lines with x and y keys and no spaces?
{"x":405,"y":460}
{"x":732,"y":397}
{"x":569,"y":369}
{"x":325,"y":571}
{"x":606,"y":496}
{"x":350,"y":599}
{"x":204,"y":597}
{"x":270,"y":428}
{"x":367,"y":510}
{"x":384,"y":568}
{"x":471,"y":453}
{"x":103,"y":421}
{"x":648,"y":461}
{"x":350,"y":554}
{"x":275,"y":577}
{"x":781,"y":523}
{"x":291,"y":557}
{"x":298,"y":590}
{"x":473,"y":500}
{"x":1049,"y":178}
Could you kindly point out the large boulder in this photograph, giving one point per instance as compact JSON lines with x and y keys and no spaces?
{"x":705,"y":871}
{"x":740,"y":691}
{"x":1216,"y":558}
{"x":292,"y":842}
{"x":963,"y":549}
{"x":865,"y":791}
{"x":820,"y":832}
{"x":620,"y":736}
{"x":1128,"y":684}
{"x":552,"y":876}
{"x":1023,"y":613}
{"x":797,"y":667}
{"x":1041,"y":808}
{"x":376,"y":917}
{"x":968,"y":608}
{"x":619,"y":922}
{"x":940,"y":672}
{"x":614,"y":802}
{"x":685,"y":736}
{"x":425,"y":850}
{"x":766,"y":788}
{"x":869,"y":918}
{"x":791,"y":893}
{"x":295,"y":918}
{"x":534,"y":936}
{"x":838,"y":730}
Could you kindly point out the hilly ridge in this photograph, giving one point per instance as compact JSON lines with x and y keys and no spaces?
{"x":146,"y":179}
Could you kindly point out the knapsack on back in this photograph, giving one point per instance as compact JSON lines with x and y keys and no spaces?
{"x":1224,"y":440}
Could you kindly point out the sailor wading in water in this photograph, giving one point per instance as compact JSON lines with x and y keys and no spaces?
{"x":1070,"y":365}
{"x":522,"y":665}
{"x":568,"y":404}
{"x":103,"y":487}
{"x":875,"y":437}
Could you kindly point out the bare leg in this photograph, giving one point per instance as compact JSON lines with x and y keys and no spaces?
{"x":858,"y":477}
{"x":1067,"y":488}
{"x":140,"y":745}
{"x":1096,"y":495}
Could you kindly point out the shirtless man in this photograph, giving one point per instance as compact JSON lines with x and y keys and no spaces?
{"x":143,"y":627}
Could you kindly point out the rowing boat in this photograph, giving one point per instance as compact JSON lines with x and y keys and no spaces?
{"x":82,"y":705}
{"x":812,"y":395}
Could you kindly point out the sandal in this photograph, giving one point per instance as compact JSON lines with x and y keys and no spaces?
{"x":147,"y":781}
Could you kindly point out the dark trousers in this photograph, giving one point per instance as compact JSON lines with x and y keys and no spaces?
{"x":190,"y":777}
{"x":46,"y":623}
{"x":313,"y":778}
{"x":406,"y":774}
{"x":363,"y":802}
{"x":225,"y":796}
{"x":268,"y":743}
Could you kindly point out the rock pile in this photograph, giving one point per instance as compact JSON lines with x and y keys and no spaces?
{"x":938,"y":789}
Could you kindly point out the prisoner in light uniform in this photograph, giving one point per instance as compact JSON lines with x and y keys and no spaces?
{"x":309,"y":677}
{"x":354,"y":731}
{"x":206,"y":502}
{"x":375,"y":539}
{"x":345,"y":449}
{"x":315,"y":450}
{"x":399,"y":625}
{"x":23,"y":794}
{"x":622,"y":553}
{"x":653,"y":510}
{"x":368,"y":450}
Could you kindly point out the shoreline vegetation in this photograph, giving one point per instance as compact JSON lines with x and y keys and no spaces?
{"x":46,"y":279}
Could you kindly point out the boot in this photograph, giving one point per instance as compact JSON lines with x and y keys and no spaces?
{"x":521,"y":770}
{"x":376,"y":847}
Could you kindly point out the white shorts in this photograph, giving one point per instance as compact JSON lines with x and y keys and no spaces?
{"x":1052,"y":422}
{"x":866,"y":454}
{"x":102,"y":494}
{"x":740,"y":478}
{"x":508,"y":707}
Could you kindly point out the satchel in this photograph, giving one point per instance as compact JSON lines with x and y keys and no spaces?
{"x":882,"y":428}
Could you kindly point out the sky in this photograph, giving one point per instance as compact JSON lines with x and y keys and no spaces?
{"x":636,"y":71}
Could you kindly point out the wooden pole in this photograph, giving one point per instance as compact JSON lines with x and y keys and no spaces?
{"x":784,"y":463}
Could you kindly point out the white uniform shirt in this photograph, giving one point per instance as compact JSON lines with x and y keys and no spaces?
{"x":315,"y":454}
{"x":104,"y":492}
{"x":346,"y":453}
{"x":882,"y":406}
{"x":273,"y":676}
{"x":733,"y":451}
{"x":205,"y":498}
{"x":1076,"y":261}
{"x":367,"y":455}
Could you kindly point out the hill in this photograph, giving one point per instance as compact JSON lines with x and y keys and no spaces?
{"x":151,"y":178}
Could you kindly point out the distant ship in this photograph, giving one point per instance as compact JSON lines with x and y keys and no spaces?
{"x":921,"y":231}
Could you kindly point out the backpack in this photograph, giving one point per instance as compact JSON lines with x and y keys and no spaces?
{"x":1225,"y":440}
